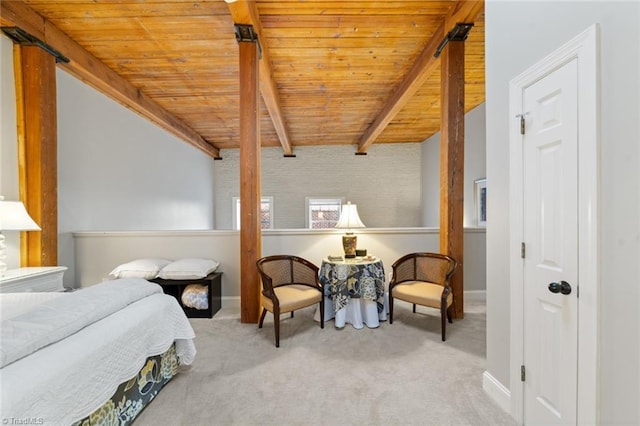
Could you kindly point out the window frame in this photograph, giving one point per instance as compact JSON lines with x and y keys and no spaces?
{"x":235,"y":211}
{"x":311,"y":201}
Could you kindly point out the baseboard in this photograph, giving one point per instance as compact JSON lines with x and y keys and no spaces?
{"x":497,"y":391}
{"x":475,"y":295}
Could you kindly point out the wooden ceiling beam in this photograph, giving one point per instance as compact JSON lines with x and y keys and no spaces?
{"x":92,"y":71}
{"x":245,"y":12}
{"x":463,"y":11}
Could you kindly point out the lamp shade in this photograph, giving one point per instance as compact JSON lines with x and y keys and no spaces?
{"x":349,"y":217}
{"x":14,"y":217}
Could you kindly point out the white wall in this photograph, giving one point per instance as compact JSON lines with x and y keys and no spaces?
{"x":97,"y":253}
{"x":474,"y":168}
{"x":385,"y":183}
{"x":116,"y":171}
{"x":8,"y":146}
{"x":518,"y":34}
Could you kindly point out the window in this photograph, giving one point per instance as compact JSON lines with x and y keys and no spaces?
{"x":266,"y":212}
{"x":323,"y":213}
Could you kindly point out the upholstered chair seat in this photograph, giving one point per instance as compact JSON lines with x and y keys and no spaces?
{"x":424,"y":279}
{"x":292,"y":298}
{"x":421,"y":293}
{"x":289,"y":283}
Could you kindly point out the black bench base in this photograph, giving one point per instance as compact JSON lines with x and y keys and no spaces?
{"x":213,"y":282}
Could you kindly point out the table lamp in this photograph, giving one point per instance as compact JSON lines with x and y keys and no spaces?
{"x":349,"y":219}
{"x":13,"y":217}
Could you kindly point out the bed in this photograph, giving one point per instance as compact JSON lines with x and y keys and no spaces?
{"x":65,"y":355}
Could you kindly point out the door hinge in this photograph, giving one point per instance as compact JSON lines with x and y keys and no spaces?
{"x":522,"y":373}
{"x":522,"y":250}
{"x":522,"y":122}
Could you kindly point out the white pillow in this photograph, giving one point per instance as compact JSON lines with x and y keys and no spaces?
{"x":140,"y":268}
{"x":188,"y":269}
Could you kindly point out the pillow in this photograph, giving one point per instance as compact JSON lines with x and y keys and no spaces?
{"x":195,"y":296}
{"x":188,"y":269}
{"x":140,"y":268}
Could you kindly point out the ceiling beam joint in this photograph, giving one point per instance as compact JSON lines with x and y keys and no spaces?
{"x":246,"y":12}
{"x":246,"y":34}
{"x":425,"y":63}
{"x":23,"y":38}
{"x":459,"y":33}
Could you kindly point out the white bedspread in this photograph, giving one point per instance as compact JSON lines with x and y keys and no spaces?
{"x":106,"y":340}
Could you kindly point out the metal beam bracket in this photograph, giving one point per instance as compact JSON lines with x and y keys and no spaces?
{"x":245,"y":33}
{"x":459,"y":33}
{"x":20,"y":36}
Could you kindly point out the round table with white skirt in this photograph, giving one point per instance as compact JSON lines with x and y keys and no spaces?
{"x":354,"y":292}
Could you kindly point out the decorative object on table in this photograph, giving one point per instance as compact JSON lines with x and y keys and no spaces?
{"x":480,"y":187}
{"x":349,"y":219}
{"x":289,"y":283}
{"x":13,"y":217}
{"x":424,"y":279}
{"x":361,"y":252}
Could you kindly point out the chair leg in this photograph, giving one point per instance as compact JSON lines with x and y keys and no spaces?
{"x":276,"y":327}
{"x":414,"y":308}
{"x":390,"y":309}
{"x":264,"y":313}
{"x":443,"y":314}
{"x":291,"y":314}
{"x":450,"y":314}
{"x":322,"y":312}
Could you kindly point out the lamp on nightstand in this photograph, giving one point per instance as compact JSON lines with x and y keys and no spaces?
{"x":13,"y":217}
{"x":349,"y":219}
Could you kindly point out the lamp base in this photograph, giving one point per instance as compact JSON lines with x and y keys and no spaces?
{"x":349,"y":243}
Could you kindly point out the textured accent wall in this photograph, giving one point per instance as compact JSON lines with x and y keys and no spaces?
{"x":385,"y":183}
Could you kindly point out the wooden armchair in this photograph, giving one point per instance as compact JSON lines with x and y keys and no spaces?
{"x":424,"y":279}
{"x":289,"y":283}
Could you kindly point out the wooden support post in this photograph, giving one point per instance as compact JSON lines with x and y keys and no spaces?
{"x":452,"y":164}
{"x":35,"y":72}
{"x":250,"y":229}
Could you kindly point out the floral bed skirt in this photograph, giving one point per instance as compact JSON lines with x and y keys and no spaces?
{"x":132,"y":396}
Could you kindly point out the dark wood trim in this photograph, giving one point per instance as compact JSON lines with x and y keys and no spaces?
{"x":250,"y":230}
{"x":452,"y":164}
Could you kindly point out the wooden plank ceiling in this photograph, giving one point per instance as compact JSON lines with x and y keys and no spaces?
{"x":335,"y":65}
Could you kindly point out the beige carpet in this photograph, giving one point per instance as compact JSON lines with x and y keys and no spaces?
{"x":400,"y":374}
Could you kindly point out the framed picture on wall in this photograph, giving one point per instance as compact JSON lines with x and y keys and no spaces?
{"x":480,"y":187}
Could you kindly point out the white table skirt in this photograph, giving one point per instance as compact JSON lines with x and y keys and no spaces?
{"x":359,"y":312}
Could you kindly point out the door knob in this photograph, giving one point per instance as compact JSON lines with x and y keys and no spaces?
{"x":561,"y":287}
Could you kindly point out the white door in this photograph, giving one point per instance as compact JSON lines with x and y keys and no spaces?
{"x":550,"y":219}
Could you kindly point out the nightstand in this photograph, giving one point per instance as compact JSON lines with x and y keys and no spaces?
{"x":33,"y":279}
